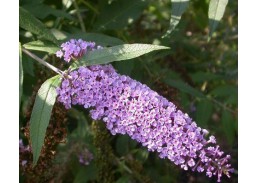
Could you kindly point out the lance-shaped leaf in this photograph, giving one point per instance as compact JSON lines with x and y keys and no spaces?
{"x":178,"y":7}
{"x":216,"y":12}
{"x":32,"y":24}
{"x":116,"y":53}
{"x":44,"y":46}
{"x":41,"y":114}
{"x":20,"y":73}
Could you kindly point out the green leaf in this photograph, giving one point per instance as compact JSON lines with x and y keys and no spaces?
{"x":224,"y":91}
{"x":84,"y":174}
{"x":200,"y":76}
{"x":28,"y":65}
{"x":124,"y":178}
{"x":184,"y":87}
{"x":142,"y":155}
{"x":119,"y":14}
{"x":44,"y":46}
{"x":115,"y":53}
{"x":20,"y":73}
{"x":125,"y":68}
{"x":216,"y":12}
{"x":99,"y":39}
{"x":122,"y":147}
{"x":32,"y":24}
{"x":42,"y":11}
{"x":229,"y":126}
{"x":204,"y":110}
{"x":178,"y":7}
{"x":41,"y":114}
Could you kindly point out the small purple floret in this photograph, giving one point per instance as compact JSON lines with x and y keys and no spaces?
{"x":85,"y":157}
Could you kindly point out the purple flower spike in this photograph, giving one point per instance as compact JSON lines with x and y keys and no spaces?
{"x":128,"y":107}
{"x":75,"y":49}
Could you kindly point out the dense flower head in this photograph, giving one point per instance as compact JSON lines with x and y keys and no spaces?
{"x":128,"y":107}
{"x":75,"y":49}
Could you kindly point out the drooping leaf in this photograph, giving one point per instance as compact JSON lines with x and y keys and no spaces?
{"x":204,"y":110}
{"x":44,"y":46}
{"x":41,"y":114}
{"x":20,"y":74}
{"x":32,"y":24}
{"x":184,"y":87}
{"x":178,"y":7}
{"x":115,"y":53}
{"x":215,"y":13}
{"x":119,"y":14}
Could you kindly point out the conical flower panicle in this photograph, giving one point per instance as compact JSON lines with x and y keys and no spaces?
{"x":128,"y":107}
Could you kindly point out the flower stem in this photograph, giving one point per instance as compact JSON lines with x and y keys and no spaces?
{"x":58,"y":71}
{"x":82,"y":25}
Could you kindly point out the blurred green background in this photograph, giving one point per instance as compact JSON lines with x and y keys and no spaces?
{"x":200,"y":77}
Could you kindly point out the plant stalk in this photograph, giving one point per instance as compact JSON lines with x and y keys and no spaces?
{"x":58,"y":71}
{"x":82,"y":25}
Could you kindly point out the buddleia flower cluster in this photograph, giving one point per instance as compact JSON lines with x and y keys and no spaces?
{"x":129,"y":107}
{"x":75,"y":49}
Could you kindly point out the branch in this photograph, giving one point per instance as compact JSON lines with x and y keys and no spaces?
{"x":58,"y":71}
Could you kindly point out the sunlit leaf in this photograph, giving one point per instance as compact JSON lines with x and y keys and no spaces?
{"x":44,"y":46}
{"x":116,"y":53}
{"x":178,"y":7}
{"x":32,"y":24}
{"x":216,"y":12}
{"x":20,"y":73}
{"x":41,"y":114}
